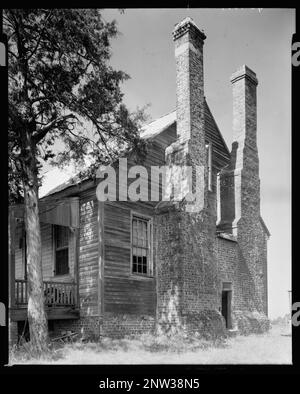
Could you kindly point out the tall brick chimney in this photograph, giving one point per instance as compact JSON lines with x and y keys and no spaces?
{"x":240,"y":193}
{"x":244,"y":84}
{"x":186,"y":260}
{"x":189,"y":42}
{"x":240,"y":184}
{"x":244,"y":153}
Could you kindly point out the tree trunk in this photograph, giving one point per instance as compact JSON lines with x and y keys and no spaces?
{"x":36,"y":310}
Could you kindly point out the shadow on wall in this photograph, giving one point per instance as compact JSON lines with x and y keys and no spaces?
{"x":169,"y":320}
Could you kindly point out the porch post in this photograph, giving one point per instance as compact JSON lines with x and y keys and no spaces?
{"x":11,"y":256}
{"x":101,"y":257}
{"x":76,"y":266}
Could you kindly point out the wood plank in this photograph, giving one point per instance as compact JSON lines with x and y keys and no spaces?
{"x":88,"y":253}
{"x":59,"y":313}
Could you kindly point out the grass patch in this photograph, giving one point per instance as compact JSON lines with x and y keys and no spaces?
{"x":179,"y":343}
{"x":24,"y":353}
{"x":273,"y":347}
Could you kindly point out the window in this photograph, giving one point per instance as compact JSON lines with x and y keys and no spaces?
{"x":61,"y":245}
{"x":208,"y":147}
{"x":141,"y":246}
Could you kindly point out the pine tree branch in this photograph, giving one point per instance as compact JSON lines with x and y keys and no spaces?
{"x":42,"y":132}
{"x":40,"y":37}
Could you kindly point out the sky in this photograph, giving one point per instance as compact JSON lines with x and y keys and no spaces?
{"x":259,"y":38}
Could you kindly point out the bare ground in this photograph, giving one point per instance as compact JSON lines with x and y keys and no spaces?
{"x":274,"y":347}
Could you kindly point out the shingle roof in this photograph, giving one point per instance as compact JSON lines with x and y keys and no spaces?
{"x":158,"y":126}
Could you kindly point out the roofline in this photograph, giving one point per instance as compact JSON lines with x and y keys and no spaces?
{"x":264,"y":226}
{"x":89,"y":179}
{"x":151,"y":137}
{"x":217,"y":127}
{"x":161,"y":131}
{"x":162,"y":116}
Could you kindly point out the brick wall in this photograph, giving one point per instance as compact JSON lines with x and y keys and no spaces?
{"x":121,"y":325}
{"x":12,"y":332}
{"x":111,"y":324}
{"x":245,"y":267}
{"x":87,"y":327}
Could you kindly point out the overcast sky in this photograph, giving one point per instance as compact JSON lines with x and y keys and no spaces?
{"x":262,"y":41}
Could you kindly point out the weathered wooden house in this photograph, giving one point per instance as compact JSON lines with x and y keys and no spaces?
{"x":122,"y":267}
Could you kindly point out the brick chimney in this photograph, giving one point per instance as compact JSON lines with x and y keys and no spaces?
{"x":189,"y":152}
{"x":186,"y":259}
{"x":240,"y":184}
{"x":189,"y":40}
{"x":244,"y":83}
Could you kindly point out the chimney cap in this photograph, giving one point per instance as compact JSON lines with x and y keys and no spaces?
{"x":185,"y":25}
{"x":244,"y":72}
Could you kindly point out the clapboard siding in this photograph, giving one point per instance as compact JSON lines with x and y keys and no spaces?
{"x":155,"y":157}
{"x":221,"y":155}
{"x":123,"y":292}
{"x":88,"y":254}
{"x":129,"y":296}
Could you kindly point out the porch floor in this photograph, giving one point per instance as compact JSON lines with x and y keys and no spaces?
{"x":53,"y":313}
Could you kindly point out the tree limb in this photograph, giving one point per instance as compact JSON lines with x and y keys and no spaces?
{"x":40,"y":37}
{"x":42,"y":132}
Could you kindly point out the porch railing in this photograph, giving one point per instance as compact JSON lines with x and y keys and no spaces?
{"x":55,"y":293}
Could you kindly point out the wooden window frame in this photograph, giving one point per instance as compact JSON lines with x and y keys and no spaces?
{"x":55,"y":249}
{"x":149,"y":221}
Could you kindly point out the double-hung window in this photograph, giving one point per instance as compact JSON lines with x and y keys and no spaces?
{"x":141,"y":248}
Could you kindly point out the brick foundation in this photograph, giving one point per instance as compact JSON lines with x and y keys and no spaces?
{"x":111,"y":325}
{"x":206,"y":323}
{"x":12,"y":333}
{"x":121,"y":325}
{"x":87,"y":327}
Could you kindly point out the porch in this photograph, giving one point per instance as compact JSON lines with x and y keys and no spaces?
{"x":60,"y":300}
{"x":59,"y":261}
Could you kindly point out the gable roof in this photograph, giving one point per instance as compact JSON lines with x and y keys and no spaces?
{"x":149,"y":131}
{"x":212,"y":133}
